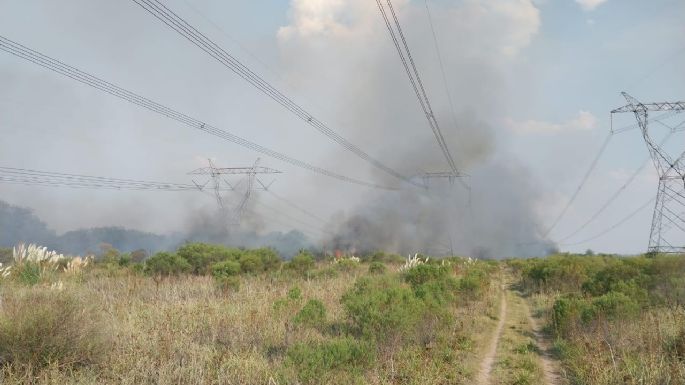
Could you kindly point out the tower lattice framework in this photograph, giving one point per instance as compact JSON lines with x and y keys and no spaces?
{"x":667,"y":234}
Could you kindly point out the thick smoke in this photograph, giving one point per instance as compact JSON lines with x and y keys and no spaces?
{"x":346,"y":40}
{"x":339,"y":55}
{"x":21,"y":225}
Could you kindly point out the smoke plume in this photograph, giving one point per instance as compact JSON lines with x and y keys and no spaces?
{"x":347,"y":44}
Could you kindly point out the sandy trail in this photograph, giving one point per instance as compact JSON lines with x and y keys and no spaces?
{"x":550,"y":366}
{"x":486,"y":365}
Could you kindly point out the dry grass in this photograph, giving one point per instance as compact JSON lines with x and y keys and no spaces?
{"x":518,"y":361}
{"x":186,"y":330}
{"x":647,"y":350}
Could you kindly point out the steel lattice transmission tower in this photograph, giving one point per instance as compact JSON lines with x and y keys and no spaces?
{"x":221,"y":183}
{"x":668,"y":221}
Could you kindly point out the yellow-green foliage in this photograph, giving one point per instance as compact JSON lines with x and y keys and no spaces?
{"x":325,"y":362}
{"x":282,"y":326}
{"x":40,"y":327}
{"x":616,"y":320}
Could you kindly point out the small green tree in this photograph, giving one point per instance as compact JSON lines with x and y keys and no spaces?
{"x":226,"y":269}
{"x":312,"y":314}
{"x":251,"y":263}
{"x":166,"y":264}
{"x":201,"y":256}
{"x":302,"y":263}
{"x":377,"y":268}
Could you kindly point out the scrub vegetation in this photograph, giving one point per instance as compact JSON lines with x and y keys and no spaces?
{"x":613,"y":320}
{"x":210,"y":314}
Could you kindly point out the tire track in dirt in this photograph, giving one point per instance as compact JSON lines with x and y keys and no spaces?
{"x":483,"y":377}
{"x":550,"y":366}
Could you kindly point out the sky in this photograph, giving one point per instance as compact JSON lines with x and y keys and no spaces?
{"x":539,"y":77}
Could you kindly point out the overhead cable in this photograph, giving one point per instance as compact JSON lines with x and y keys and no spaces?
{"x":614,"y":226}
{"x":90,"y":80}
{"x":193,"y":35}
{"x":415,"y":80}
{"x":615,"y":195}
{"x":593,"y":164}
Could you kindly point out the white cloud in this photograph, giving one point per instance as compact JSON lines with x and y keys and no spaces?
{"x":502,"y":26}
{"x":584,"y":121}
{"x":589,"y":5}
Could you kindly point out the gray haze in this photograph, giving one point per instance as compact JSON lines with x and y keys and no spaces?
{"x":337,"y":60}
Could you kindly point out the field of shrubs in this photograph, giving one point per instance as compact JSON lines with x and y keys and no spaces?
{"x":208,"y":314}
{"x":614,"y":320}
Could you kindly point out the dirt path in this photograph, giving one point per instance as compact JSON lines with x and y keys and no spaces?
{"x":486,"y":365}
{"x":550,"y":366}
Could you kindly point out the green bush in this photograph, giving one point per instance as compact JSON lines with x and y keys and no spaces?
{"x":28,"y":273}
{"x":614,"y":305}
{"x":228,"y":283}
{"x":312,"y":314}
{"x":294,"y":293}
{"x":610,"y":277}
{"x":474,"y":283}
{"x":380,"y":256}
{"x":269,"y":257}
{"x":125,"y":260}
{"x":326,"y":273}
{"x":424,"y":273}
{"x":40,"y":327}
{"x":438,"y":292}
{"x":377,"y":268}
{"x":381,"y":309}
{"x":346,"y":265}
{"x":201,"y":256}
{"x":251,"y":263}
{"x":322,"y":362}
{"x":226,"y":269}
{"x":302,"y":263}
{"x":166,"y":264}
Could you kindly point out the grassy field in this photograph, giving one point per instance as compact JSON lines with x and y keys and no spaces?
{"x":612,"y":320}
{"x":208,"y":314}
{"x":237,"y":318}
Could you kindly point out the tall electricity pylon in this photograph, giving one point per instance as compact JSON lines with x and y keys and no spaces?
{"x":220,"y":183}
{"x":667,"y":234}
{"x":449,"y":175}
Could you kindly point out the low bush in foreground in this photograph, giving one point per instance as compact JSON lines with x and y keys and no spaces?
{"x":40,"y":327}
{"x":166,"y":264}
{"x":341,"y":359}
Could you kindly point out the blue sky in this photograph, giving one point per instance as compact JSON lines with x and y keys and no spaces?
{"x":542,"y":74}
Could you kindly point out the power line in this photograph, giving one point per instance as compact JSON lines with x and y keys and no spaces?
{"x":614,"y":226}
{"x":30,"y":177}
{"x":593,"y":164}
{"x":616,"y":194}
{"x":182,"y":27}
{"x":57,"y":66}
{"x":36,"y":177}
{"x":293,"y":218}
{"x":296,"y":207}
{"x":442,"y":65}
{"x":415,"y":80}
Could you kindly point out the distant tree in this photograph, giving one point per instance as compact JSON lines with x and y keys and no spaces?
{"x":5,"y":255}
{"x":202,"y":256}
{"x":589,"y":252}
{"x":138,"y":256}
{"x":301,"y":263}
{"x":166,"y":264}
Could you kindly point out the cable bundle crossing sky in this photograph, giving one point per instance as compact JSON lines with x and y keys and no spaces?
{"x":192,"y":34}
{"x":30,"y":177}
{"x":57,"y":66}
{"x":415,"y":80}
{"x":58,"y":179}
